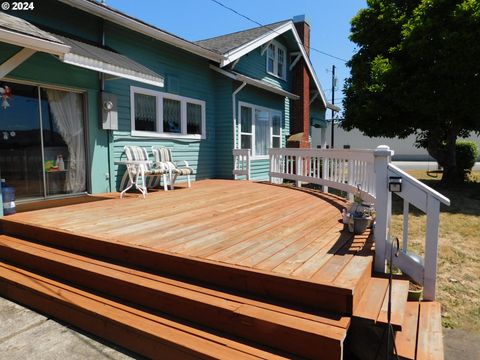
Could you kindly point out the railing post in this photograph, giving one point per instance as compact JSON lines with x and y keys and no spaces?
{"x":350,"y":178}
{"x":383,"y":204}
{"x":299,"y":163}
{"x":248,"y":164}
{"x":431,"y":248}
{"x":406,"y":210}
{"x":325,"y":166}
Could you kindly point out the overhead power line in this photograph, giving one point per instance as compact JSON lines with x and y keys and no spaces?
{"x":266,"y":26}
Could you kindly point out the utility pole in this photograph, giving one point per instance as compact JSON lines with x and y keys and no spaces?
{"x":333,"y":103}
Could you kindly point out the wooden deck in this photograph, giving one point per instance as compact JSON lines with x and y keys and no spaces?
{"x":274,"y":232}
{"x":226,"y":269}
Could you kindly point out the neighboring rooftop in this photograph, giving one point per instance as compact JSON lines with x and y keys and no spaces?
{"x":226,"y":43}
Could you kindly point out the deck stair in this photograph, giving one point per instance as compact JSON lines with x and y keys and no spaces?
{"x":95,"y":286}
{"x":421,"y":337}
{"x":332,"y":276}
{"x":374,"y":302}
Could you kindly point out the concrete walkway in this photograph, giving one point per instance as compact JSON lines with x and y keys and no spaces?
{"x":24,"y":334}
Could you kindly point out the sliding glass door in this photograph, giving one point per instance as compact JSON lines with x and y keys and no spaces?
{"x":42,"y":142}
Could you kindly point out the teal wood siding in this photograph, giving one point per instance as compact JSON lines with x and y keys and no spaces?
{"x":44,"y":69}
{"x":193,"y":79}
{"x":254,"y":63}
{"x":57,"y":17}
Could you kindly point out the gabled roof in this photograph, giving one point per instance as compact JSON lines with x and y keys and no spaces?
{"x":226,"y":43}
{"x":234,"y":46}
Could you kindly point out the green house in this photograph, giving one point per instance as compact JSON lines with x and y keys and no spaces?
{"x":80,"y":80}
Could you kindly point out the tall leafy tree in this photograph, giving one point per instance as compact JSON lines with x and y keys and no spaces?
{"x":416,"y":71}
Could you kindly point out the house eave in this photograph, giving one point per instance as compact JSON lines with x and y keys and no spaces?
{"x":34,"y":43}
{"x":140,"y":27}
{"x":254,"y":82}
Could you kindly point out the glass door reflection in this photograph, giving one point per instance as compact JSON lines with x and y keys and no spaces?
{"x":20,"y":142}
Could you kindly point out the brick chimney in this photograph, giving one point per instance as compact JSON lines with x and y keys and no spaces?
{"x":301,"y":87}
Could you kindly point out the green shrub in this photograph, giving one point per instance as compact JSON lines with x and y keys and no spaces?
{"x":466,"y":155}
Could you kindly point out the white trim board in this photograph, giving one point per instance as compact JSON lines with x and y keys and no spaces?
{"x":91,"y":64}
{"x":34,"y":43}
{"x":254,"y":82}
{"x":14,"y":61}
{"x":159,"y":96}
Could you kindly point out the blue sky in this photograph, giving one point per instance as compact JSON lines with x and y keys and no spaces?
{"x":200,"y":19}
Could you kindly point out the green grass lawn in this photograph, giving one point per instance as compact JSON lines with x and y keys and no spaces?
{"x":458,"y":278}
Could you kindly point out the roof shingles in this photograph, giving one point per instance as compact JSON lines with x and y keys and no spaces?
{"x":226,"y":43}
{"x":16,"y":24}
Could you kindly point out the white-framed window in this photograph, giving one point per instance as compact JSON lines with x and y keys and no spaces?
{"x":260,"y":129}
{"x":277,"y":60}
{"x":164,"y":115}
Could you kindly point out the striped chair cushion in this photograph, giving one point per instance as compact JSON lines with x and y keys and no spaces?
{"x":163,"y":156}
{"x":137,"y":153}
{"x":183,"y":171}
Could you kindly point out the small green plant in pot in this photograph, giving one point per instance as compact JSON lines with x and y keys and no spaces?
{"x":361,"y":214}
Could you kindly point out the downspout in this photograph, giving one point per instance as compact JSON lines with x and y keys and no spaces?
{"x":234,"y":113}
{"x":102,"y":89}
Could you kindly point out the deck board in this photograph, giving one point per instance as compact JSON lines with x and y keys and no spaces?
{"x":269,"y":230}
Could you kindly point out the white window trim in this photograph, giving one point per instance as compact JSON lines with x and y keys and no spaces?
{"x":275,"y":62}
{"x":271,"y":112}
{"x":159,"y":134}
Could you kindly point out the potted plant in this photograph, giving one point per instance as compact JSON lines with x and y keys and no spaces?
{"x":361,"y":214}
{"x":415,"y":292}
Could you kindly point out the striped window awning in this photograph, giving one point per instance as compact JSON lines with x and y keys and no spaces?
{"x":20,"y":32}
{"x":108,"y":62}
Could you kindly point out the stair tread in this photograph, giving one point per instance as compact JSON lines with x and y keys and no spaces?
{"x":406,"y":339}
{"x":429,"y":339}
{"x":332,"y":328}
{"x":284,"y":288}
{"x":372,"y":300}
{"x":170,"y":337}
{"x":374,"y":303}
{"x":399,"y":301}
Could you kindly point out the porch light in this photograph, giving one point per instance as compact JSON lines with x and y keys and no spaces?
{"x":395,"y":184}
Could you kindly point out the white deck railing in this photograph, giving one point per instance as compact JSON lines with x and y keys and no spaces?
{"x":340,"y":169}
{"x":241,"y":163}
{"x":346,"y":170}
{"x":415,"y":193}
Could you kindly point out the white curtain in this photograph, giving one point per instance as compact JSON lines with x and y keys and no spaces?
{"x":67,"y":113}
{"x":145,"y":112}
{"x":262,"y":132}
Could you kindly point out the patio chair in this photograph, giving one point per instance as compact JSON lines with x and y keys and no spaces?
{"x":138,"y":172}
{"x":163,"y":155}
